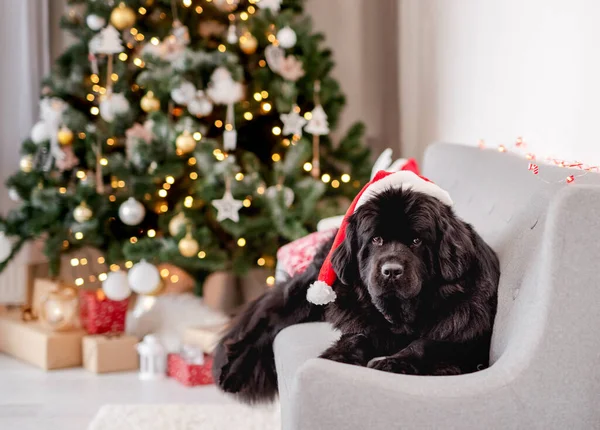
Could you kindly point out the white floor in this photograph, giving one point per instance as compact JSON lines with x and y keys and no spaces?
{"x":31,"y":399}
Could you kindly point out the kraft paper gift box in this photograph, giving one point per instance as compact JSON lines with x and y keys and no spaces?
{"x":104,"y":354}
{"x":206,"y":338}
{"x":30,"y":341}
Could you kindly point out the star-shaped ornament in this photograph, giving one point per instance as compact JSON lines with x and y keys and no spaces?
{"x":228,"y":207}
{"x":293,"y":122}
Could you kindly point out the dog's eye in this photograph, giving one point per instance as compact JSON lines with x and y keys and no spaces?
{"x":377,"y":241}
{"x":416,"y":241}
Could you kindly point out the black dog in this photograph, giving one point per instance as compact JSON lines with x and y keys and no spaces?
{"x":416,"y":294}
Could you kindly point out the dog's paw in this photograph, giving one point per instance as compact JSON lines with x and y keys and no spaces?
{"x":393,"y":365}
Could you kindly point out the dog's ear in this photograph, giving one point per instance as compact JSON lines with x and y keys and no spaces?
{"x":343,"y":260}
{"x":456,"y":249}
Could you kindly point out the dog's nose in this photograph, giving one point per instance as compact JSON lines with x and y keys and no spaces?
{"x":392,"y":270}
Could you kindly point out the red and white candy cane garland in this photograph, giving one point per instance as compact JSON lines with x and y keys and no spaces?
{"x":535,"y":168}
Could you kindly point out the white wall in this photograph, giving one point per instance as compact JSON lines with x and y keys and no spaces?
{"x":496,"y":70}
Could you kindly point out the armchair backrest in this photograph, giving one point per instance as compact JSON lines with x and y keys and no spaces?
{"x":507,"y":204}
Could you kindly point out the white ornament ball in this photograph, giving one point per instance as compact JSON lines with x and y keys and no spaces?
{"x":95,"y":22}
{"x":286,"y":37}
{"x":177,"y":224}
{"x":144,"y":278}
{"x":13,"y":194}
{"x":201,"y":105}
{"x":5,"y":247}
{"x":40,"y":132}
{"x":116,"y":286}
{"x":131,"y":212}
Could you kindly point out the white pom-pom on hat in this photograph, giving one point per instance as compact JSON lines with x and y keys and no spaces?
{"x":320,"y":293}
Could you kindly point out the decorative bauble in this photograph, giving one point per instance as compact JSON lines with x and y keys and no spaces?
{"x":200,"y":105}
{"x":26,"y":163}
{"x":272,"y":5}
{"x":65,"y":136}
{"x":185,"y":142}
{"x":231,"y":34}
{"x":248,"y":43}
{"x":13,"y":194}
{"x":59,"y":309}
{"x":184,"y":93}
{"x":5,"y":247}
{"x":95,"y":22}
{"x":286,"y":37}
{"x":226,"y":5}
{"x":113,"y":105}
{"x":177,"y":224}
{"x":288,"y":194}
{"x":82,"y":213}
{"x":122,"y":17}
{"x":188,"y":246}
{"x":150,"y":103}
{"x":131,"y":212}
{"x":116,"y":286}
{"x":40,"y":132}
{"x":144,"y":277}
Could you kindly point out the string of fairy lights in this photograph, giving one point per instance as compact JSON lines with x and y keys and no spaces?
{"x":133,"y":38}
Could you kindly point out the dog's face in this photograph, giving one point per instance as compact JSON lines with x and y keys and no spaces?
{"x":397,"y":244}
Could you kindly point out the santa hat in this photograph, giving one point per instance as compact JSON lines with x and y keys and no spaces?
{"x":320,"y":292}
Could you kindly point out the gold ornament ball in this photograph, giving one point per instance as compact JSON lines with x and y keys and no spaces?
{"x":150,"y":103}
{"x":65,"y":136}
{"x":122,"y":17}
{"x":82,"y":213}
{"x":185,"y":142}
{"x":177,"y":223}
{"x":26,"y":163}
{"x":188,"y":246}
{"x":248,"y":43}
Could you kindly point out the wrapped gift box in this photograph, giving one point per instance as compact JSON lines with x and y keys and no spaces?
{"x":296,"y":256}
{"x":32,"y":342}
{"x":100,"y":315}
{"x":104,"y":354}
{"x":187,"y":373}
{"x":220,"y":291}
{"x":206,"y":338}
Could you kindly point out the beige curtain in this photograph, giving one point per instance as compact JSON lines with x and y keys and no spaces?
{"x":363,"y":35}
{"x":24,"y":59}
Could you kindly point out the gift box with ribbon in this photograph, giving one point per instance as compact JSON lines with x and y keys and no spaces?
{"x":190,"y":366}
{"x":101,"y":315}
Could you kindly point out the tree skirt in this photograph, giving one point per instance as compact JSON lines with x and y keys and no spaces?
{"x":187,"y":417}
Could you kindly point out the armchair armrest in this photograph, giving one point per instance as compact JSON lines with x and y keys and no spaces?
{"x":329,"y":395}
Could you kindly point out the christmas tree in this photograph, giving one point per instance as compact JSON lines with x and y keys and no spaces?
{"x":194,"y":132}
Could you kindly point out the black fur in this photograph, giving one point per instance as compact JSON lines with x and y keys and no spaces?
{"x":431,"y":314}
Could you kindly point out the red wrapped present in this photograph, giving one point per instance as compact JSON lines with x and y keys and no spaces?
{"x":187,"y":372}
{"x":296,"y":256}
{"x":100,"y":315}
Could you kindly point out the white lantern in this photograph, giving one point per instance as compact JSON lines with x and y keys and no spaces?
{"x":153,"y":358}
